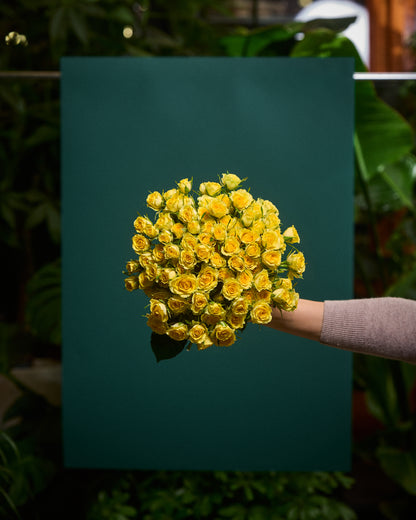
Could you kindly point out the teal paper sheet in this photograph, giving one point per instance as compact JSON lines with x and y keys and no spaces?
{"x":131,"y":126}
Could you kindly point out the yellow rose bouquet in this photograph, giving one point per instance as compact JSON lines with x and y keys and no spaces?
{"x":211,"y":263}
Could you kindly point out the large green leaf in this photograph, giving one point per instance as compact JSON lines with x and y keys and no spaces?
{"x":382,"y":134}
{"x":400,"y":466}
{"x":165,"y":347}
{"x":43,"y":310}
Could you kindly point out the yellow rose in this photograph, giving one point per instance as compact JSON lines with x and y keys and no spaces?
{"x":205,"y":238}
{"x":158,"y":310}
{"x":177,"y":304}
{"x":152,"y":270}
{"x":230,"y":181}
{"x":178,"y":229}
{"x":140,"y":243}
{"x":194,"y":227}
{"x":271,"y":258}
{"x":224,"y":273}
{"x":199,"y":302}
{"x":185,"y":186}
{"x":198,"y":333}
{"x":207,"y":279}
{"x":170,"y":193}
{"x":250,"y":295}
{"x":207,"y":342}
{"x":157,"y":326}
{"x":210,"y":188}
{"x":248,"y":236}
{"x":272,"y":239}
{"x":268,"y":207}
{"x":183,"y":285}
{"x":155,"y":201}
{"x":261,"y":313}
{"x":165,"y":236}
{"x":146,"y":259}
{"x":296,"y":264}
{"x":151,"y":231}
{"x":178,"y":331}
{"x":207,"y":224}
{"x":251,"y":214}
{"x":203,"y":252}
{"x":285,"y":299}
{"x":253,"y":250}
{"x":140,"y":224}
{"x":171,"y":251}
{"x":218,"y":208}
{"x":131,"y":283}
{"x":164,"y":221}
{"x":187,"y":214}
{"x":133,"y":266}
{"x":156,"y":292}
{"x":217,"y":260}
{"x":236,"y":263}
{"x":291,"y":235}
{"x":272,"y":221}
{"x":187,"y":258}
{"x":262,"y":281}
{"x":231,"y":246}
{"x":223,"y":335}
{"x":241,"y":199}
{"x":240,"y":306}
{"x":251,"y":263}
{"x":236,"y":322}
{"x":159,"y":253}
{"x":214,"y":312}
{"x":166,"y":275}
{"x":245,"y":278}
{"x":219,"y":232}
{"x":231,"y":288}
{"x":264,"y":294}
{"x":174,"y":203}
{"x":258,"y":227}
{"x":144,"y":281}
{"x":189,"y":241}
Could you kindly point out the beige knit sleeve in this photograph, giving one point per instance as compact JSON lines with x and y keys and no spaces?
{"x":383,"y":327}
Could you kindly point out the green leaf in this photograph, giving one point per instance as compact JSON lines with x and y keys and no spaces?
{"x":382,"y":133}
{"x":400,"y":466}
{"x":165,"y":347}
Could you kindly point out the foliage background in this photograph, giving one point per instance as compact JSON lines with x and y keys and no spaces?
{"x":33,"y":483}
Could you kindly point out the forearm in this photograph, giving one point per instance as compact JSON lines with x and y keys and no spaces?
{"x":305,"y":320}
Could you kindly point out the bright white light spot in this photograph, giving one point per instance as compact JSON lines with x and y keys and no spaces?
{"x":128,"y":31}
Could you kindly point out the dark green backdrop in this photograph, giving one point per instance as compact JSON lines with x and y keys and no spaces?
{"x":131,"y":126}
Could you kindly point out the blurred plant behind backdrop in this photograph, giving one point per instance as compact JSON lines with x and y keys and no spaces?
{"x":34,"y":35}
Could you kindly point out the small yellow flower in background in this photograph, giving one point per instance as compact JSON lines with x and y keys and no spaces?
{"x":213,"y":262}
